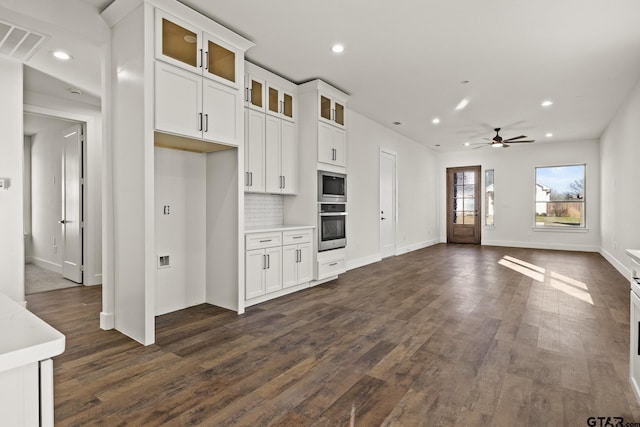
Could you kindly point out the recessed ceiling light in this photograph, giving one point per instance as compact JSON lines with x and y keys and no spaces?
{"x":547,"y":103}
{"x":190,"y":39}
{"x":462,"y":104}
{"x":464,"y":82}
{"x":337,"y":48}
{"x":549,"y":135}
{"x":397,"y":123}
{"x":435,"y":121}
{"x":437,"y":145}
{"x":61,"y":55}
{"x":466,"y":144}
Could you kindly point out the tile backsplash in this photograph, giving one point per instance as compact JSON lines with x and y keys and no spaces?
{"x":263,"y":210}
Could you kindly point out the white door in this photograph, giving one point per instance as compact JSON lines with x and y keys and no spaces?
{"x":340,"y":147}
{"x":255,"y":264}
{"x":254,"y":151}
{"x":305,"y":272}
{"x":288,"y":156}
{"x":273,"y":272}
{"x":387,"y":204}
{"x":178,"y":101}
{"x":289,"y":265}
{"x":220,"y":105}
{"x":273,"y":177}
{"x":71,"y":221}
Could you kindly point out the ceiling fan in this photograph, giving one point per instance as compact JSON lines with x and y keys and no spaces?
{"x":498,"y":142}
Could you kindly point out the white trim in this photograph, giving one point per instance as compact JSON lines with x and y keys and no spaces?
{"x":622,"y":269}
{"x":272,"y":295}
{"x":541,"y":245}
{"x":416,"y":246}
{"x":107,"y":321}
{"x":361,"y":262}
{"x":47,"y":265}
{"x":567,"y":229}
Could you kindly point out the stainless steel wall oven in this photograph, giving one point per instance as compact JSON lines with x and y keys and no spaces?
{"x":332,"y":224}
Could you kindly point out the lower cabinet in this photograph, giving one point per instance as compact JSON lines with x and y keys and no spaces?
{"x":263,"y":271}
{"x":277,"y":260}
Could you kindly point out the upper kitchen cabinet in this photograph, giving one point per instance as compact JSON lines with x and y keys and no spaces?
{"x":280,"y":102}
{"x":187,"y":46}
{"x":331,"y":109}
{"x":254,"y":92}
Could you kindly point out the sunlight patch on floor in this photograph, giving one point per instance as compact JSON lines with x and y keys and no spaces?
{"x":562,"y":283}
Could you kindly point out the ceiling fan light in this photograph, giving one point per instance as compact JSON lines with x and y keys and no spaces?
{"x":497,"y":144}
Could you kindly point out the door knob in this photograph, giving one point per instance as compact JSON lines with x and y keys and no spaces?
{"x":383,"y":218}
{"x":62,"y":221}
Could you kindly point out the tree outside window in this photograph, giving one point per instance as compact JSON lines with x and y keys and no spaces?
{"x":560,"y":196}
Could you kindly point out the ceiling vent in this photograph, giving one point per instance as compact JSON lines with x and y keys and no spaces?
{"x":18,"y":43}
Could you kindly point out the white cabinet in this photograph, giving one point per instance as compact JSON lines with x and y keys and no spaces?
{"x":332,"y":147}
{"x":331,"y":109}
{"x":188,"y":105}
{"x":263,"y":264}
{"x":280,"y":102}
{"x":280,"y":155}
{"x":254,"y":151}
{"x":634,"y":351}
{"x":296,"y":257}
{"x":254,"y":92}
{"x":186,"y":46}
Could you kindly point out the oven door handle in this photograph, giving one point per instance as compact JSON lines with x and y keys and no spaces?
{"x":333,"y":214}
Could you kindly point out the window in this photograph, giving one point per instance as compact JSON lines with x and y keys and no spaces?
{"x":560,"y":196}
{"x":488,"y":197}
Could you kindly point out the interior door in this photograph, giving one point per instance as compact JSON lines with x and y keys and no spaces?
{"x":71,"y":221}
{"x":387,"y":204}
{"x":463,"y":205}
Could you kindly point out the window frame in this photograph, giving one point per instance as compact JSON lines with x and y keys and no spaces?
{"x":566,"y":228}
{"x":486,"y":200}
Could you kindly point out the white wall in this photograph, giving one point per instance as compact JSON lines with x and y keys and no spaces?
{"x":180,"y":183}
{"x":514,"y":192}
{"x":620,"y":174}
{"x":11,"y":167}
{"x":46,"y":189}
{"x":417,"y":174}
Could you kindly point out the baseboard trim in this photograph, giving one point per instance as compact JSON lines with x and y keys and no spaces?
{"x":107,"y":321}
{"x":416,"y":246}
{"x":622,"y":269}
{"x":47,"y":265}
{"x":540,"y":245}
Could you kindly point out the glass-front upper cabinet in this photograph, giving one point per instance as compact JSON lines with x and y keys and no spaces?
{"x":188,"y":47}
{"x":280,"y":103}
{"x":254,"y":96}
{"x":332,"y":110}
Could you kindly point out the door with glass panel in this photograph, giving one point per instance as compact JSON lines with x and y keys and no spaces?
{"x":463,"y":205}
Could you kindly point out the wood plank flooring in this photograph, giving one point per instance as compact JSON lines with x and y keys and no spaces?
{"x":451,"y":335}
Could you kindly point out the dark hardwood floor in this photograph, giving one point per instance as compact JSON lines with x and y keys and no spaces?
{"x":447,"y":335}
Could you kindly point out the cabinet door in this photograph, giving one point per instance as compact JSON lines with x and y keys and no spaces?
{"x":340,"y":147}
{"x":178,"y":43}
{"x":326,"y":108}
{"x":178,"y":101}
{"x":255,"y":263}
{"x":274,"y":101}
{"x":254,"y":151}
{"x":288,"y":157}
{"x":273,"y":177}
{"x":287,"y":100}
{"x":305,"y":271}
{"x":273,"y":272}
{"x":289,"y":265}
{"x":255,"y":93}
{"x":325,"y":143}
{"x":220,"y":105}
{"x":221,"y":62}
{"x":338,"y":113}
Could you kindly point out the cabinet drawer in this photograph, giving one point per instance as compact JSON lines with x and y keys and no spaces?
{"x":296,"y":236}
{"x":330,"y":268}
{"x":263,"y":240}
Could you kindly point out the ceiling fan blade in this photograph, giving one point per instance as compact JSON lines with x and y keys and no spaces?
{"x":514,"y":138}
{"x":505,"y":145}
{"x":527,"y":140}
{"x":479,"y":146}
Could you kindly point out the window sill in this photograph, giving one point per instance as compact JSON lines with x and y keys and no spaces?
{"x":560,"y":229}
{"x":489,"y":227}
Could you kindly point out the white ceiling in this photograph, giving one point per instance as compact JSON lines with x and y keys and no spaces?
{"x":404,"y":61}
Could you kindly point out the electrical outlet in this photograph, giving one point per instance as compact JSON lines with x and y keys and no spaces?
{"x":164,"y":261}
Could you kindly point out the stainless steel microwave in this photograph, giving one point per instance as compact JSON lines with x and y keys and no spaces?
{"x":332,"y":187}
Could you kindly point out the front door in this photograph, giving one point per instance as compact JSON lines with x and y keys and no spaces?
{"x":72,"y":204}
{"x":463,"y":205}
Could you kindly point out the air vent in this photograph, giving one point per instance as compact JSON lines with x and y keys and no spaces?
{"x":18,"y":43}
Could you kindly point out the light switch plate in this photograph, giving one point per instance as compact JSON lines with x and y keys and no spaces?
{"x":4,"y":183}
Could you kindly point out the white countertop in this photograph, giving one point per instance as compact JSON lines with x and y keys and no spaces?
{"x":634,"y":254}
{"x":24,"y":337}
{"x":271,"y":228}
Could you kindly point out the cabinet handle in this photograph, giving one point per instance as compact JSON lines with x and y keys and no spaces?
{"x":251,"y":179}
{"x":265,"y":241}
{"x":200,"y":58}
{"x":246,"y":179}
{"x":206,"y":64}
{"x":268,"y":261}
{"x":332,"y":264}
{"x":200,"y":129}
{"x":297,"y":237}
{"x":264,"y":262}
{"x":246,"y":94}
{"x":249,"y":95}
{"x":206,"y":122}
{"x":284,"y":181}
